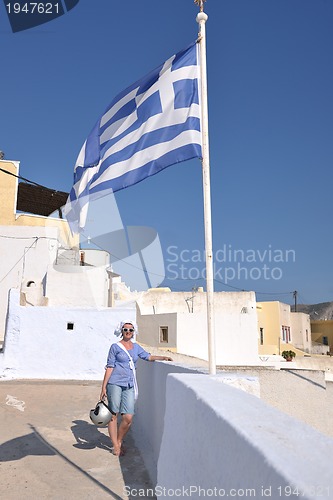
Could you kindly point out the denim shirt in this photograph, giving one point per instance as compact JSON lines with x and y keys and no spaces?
{"x":118,"y":360}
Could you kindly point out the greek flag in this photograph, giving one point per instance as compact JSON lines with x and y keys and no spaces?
{"x":151,"y":125}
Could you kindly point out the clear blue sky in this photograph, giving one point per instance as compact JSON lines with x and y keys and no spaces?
{"x":270,"y":79}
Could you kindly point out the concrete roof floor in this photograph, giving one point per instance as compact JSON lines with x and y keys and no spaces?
{"x":49,"y":449}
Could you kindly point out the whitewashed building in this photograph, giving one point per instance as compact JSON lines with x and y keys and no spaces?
{"x":55,"y":293}
{"x":178,"y":321}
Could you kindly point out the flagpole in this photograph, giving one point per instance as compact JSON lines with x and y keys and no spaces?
{"x":201,"y":20}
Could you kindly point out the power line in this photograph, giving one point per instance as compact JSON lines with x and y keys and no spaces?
{"x":29,"y":237}
{"x":136,"y":267}
{"x":25,"y":180}
{"x":22,"y":257}
{"x":190,"y":279}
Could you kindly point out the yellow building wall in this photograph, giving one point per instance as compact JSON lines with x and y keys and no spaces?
{"x":320,"y":329}
{"x":271,"y":317}
{"x":8,"y":189}
{"x":8,"y":200}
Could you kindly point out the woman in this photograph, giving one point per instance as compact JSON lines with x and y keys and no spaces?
{"x":119,"y":383}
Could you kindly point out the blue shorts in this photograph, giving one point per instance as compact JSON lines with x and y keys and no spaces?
{"x":120,"y":399}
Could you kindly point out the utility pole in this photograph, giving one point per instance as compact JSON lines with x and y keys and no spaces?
{"x":295,"y":299}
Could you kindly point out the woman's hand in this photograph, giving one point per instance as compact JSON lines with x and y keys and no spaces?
{"x":159,"y":358}
{"x":107,"y":374}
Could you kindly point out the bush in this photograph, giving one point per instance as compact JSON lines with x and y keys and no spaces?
{"x":288,"y":354}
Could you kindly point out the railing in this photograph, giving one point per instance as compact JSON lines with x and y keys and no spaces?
{"x":319,"y":348}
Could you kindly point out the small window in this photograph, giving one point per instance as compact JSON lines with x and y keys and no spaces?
{"x":286,"y":337}
{"x":261,"y":336}
{"x":283,"y":334}
{"x":164,"y":335}
{"x":70,"y":326}
{"x":325,"y":340}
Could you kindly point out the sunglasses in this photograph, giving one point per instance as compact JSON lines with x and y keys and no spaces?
{"x":128,"y":330}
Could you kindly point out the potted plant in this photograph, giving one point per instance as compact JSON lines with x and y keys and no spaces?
{"x":288,"y":355}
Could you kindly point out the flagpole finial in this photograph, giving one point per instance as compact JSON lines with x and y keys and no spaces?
{"x":200,"y":4}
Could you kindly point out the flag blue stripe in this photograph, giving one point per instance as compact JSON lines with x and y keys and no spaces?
{"x":161,"y":135}
{"x":185,"y":58}
{"x":151,"y":168}
{"x":123,"y":112}
{"x":151,"y":107}
{"x":92,"y":148}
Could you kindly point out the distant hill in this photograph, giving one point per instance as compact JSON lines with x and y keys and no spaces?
{"x":322,"y":311}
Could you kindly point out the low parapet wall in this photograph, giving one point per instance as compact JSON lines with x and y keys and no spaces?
{"x":220,"y":441}
{"x":150,"y":409}
{"x":194,"y":431}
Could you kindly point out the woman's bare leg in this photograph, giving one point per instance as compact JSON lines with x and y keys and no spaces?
{"x":125,"y":424}
{"x":113,"y":433}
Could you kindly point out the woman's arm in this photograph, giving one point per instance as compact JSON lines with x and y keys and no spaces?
{"x":159,"y":358}
{"x":107,"y":375}
{"x":149,"y":357}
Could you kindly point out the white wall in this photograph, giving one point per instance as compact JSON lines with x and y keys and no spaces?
{"x":192,"y":429}
{"x":235,"y":319}
{"x":38,"y":344}
{"x":300,"y":322}
{"x":149,"y":325}
{"x":78,"y":286}
{"x":219,"y":437}
{"x":150,"y":409}
{"x":236,"y":336}
{"x":302,"y":393}
{"x":26,"y":253}
{"x":95,"y":257}
{"x":158,"y":301}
